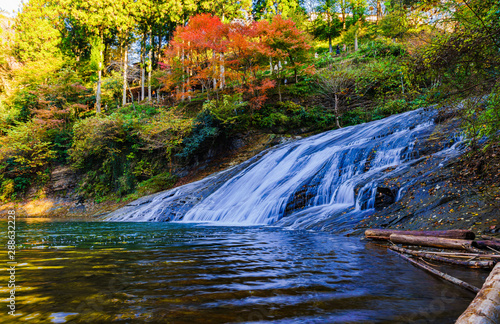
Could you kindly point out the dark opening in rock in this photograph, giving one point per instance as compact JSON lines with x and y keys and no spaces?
{"x":385,"y":197}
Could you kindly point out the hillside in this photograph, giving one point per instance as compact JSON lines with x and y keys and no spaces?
{"x":103,"y":112}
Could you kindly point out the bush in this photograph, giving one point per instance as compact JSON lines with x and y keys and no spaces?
{"x":25,"y":154}
{"x":218,"y":120}
{"x":382,"y":47}
{"x":390,"y":107}
{"x":159,"y":182}
{"x":482,"y":118}
{"x":100,"y":148}
{"x":112,"y":88}
{"x":6,"y":189}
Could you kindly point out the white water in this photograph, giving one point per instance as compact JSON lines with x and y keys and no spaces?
{"x":299,"y":183}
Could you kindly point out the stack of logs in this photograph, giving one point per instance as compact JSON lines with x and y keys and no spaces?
{"x":483,"y":253}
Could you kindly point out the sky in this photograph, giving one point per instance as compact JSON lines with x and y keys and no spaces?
{"x":10,"y":5}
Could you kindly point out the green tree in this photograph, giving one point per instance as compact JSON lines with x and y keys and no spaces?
{"x":96,"y":16}
{"x":37,"y":37}
{"x":267,"y":9}
{"x":327,"y":24}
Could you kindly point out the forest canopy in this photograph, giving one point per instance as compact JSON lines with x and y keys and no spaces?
{"x":128,"y":92}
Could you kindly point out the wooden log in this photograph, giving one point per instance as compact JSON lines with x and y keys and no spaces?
{"x":432,"y":241}
{"x":485,"y":308}
{"x":384,"y":234}
{"x":443,"y":275}
{"x":467,"y":255}
{"x":490,"y":238}
{"x":471,"y":264}
{"x":491,"y":244}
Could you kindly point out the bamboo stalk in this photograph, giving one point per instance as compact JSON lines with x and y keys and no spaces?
{"x":440,"y":274}
{"x":432,"y":241}
{"x":471,"y":264}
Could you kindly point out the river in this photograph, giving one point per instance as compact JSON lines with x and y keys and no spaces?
{"x":98,"y":272}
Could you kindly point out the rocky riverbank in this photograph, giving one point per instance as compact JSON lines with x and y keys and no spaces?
{"x":462,"y":193}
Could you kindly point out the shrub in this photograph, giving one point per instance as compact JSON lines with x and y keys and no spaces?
{"x":390,"y":107}
{"x":215,"y":123}
{"x":159,"y":182}
{"x":25,"y":153}
{"x":382,"y":47}
{"x":100,"y":147}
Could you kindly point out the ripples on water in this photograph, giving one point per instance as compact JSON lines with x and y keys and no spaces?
{"x":159,"y":272}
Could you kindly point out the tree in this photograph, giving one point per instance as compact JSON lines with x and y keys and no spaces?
{"x":194,"y":56}
{"x":327,"y":24}
{"x":153,"y":18}
{"x":227,"y":10}
{"x":267,"y":9}
{"x":96,"y":16}
{"x":343,"y":5}
{"x":6,"y":60}
{"x":36,"y":37}
{"x":285,"y":45}
{"x":334,"y":88}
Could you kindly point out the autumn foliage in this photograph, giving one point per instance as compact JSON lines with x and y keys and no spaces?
{"x":209,"y":56}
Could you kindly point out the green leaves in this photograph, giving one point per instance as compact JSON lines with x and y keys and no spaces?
{"x":96,"y":56}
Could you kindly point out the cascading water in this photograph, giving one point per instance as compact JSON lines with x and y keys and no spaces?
{"x":333,"y":175}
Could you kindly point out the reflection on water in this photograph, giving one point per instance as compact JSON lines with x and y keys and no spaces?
{"x":160,"y":272}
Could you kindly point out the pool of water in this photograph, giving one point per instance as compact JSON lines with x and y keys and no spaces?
{"x":95,"y":272}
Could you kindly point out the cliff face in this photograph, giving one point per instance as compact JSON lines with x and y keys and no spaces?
{"x":463,"y":192}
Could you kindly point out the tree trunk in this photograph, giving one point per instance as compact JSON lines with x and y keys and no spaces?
{"x":143,"y":66}
{"x":279,"y":88}
{"x":158,"y":56}
{"x":379,"y":11}
{"x":384,"y":234}
{"x":183,"y":72}
{"x":337,"y":117}
{"x":356,"y":41}
{"x":99,"y":79}
{"x":214,"y":71}
{"x":342,"y":8}
{"x":438,"y":242}
{"x":330,"y":48}
{"x":150,"y":67}
{"x":131,"y":95}
{"x":485,"y":308}
{"x":125,"y":64}
{"x":222,"y":71}
{"x":470,"y":264}
{"x":98,"y":92}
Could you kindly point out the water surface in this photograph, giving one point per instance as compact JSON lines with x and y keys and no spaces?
{"x":94,"y":272}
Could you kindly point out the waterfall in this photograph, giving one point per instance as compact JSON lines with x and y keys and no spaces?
{"x":333,"y":174}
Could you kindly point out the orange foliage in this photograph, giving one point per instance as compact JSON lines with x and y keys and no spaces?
{"x":208,"y":55}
